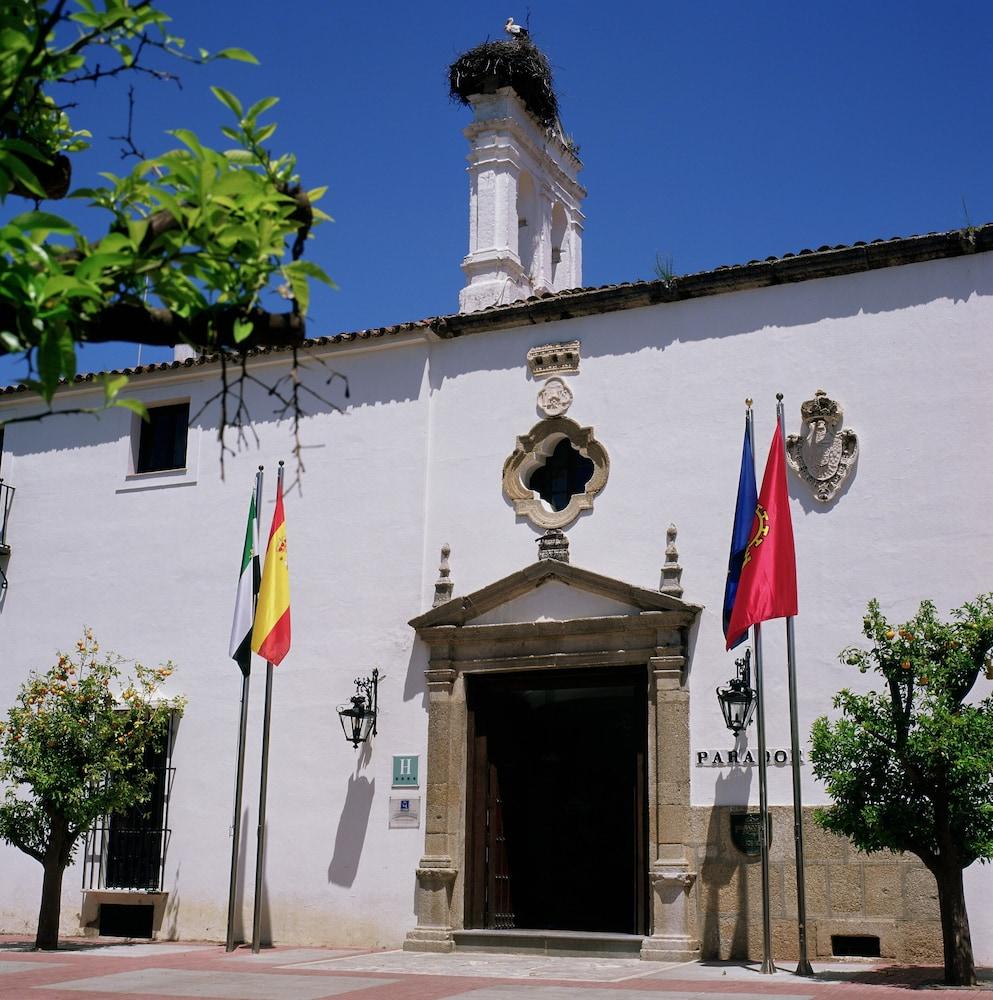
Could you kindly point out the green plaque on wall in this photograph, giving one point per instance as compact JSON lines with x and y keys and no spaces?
{"x":746,"y":831}
{"x":405,"y":771}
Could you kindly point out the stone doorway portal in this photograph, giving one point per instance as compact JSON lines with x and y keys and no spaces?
{"x":555,"y":620}
{"x":556,"y":786}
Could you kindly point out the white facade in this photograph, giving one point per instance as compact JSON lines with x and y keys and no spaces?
{"x":418,"y":457}
{"x":414,"y":461}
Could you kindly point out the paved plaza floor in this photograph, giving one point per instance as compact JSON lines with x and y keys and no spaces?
{"x":115,"y":970}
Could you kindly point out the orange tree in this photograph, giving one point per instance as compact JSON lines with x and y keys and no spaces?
{"x":909,"y":767}
{"x":72,"y":750}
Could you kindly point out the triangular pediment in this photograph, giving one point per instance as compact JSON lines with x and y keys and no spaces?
{"x":551,"y":590}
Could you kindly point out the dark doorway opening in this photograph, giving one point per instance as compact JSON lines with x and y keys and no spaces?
{"x":124,"y":920}
{"x":557,"y":823}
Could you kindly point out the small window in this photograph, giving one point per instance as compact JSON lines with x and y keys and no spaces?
{"x":162,"y":439}
{"x":855,"y":945}
{"x":564,"y":474}
{"x":126,"y":920}
{"x":555,"y":472}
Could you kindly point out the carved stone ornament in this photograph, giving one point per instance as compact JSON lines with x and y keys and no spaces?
{"x":554,"y":359}
{"x":672,"y":876}
{"x":823,"y":455}
{"x":532,"y":450}
{"x":443,"y":586}
{"x":554,"y":398}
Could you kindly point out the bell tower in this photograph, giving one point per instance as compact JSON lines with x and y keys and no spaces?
{"x":525,"y":221}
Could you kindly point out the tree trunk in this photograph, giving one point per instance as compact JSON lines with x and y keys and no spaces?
{"x":47,"y":938}
{"x":960,"y":967}
{"x":57,"y":853}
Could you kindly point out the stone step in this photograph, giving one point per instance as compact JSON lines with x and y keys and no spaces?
{"x":572,"y":944}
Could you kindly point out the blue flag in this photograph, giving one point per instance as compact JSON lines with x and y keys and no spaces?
{"x":744,"y":515}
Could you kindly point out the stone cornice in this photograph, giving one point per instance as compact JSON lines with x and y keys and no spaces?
{"x":808,"y":265}
{"x":461,"y":610}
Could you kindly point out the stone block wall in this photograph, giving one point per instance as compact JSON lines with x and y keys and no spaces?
{"x":891,"y":896}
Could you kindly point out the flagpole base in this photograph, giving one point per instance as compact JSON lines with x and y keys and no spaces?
{"x":768,"y":967}
{"x":804,"y":968}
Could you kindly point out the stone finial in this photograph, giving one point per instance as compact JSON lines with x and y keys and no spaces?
{"x":672,"y":572}
{"x":553,"y":545}
{"x":444,"y":586}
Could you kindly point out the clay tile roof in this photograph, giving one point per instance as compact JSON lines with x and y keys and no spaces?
{"x":806,"y":265}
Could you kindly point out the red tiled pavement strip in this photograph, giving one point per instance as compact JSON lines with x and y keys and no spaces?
{"x":207,"y":971}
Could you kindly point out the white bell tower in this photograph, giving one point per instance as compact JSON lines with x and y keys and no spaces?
{"x":525,"y":222}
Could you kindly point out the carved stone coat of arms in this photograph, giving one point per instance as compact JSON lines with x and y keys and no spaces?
{"x":824,"y":454}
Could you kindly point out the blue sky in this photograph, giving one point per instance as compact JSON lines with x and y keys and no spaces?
{"x":711,"y":133}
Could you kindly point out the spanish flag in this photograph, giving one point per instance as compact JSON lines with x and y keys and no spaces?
{"x":271,"y":631}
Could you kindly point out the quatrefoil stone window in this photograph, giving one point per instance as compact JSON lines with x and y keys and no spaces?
{"x":555,"y":472}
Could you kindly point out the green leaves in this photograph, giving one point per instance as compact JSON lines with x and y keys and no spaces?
{"x":187,"y":236}
{"x":74,"y":742}
{"x":112,"y":386}
{"x":297,"y":272}
{"x":227,"y":99}
{"x":908,"y":767}
{"x":238,"y":55}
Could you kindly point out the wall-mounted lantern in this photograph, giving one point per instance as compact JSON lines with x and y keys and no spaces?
{"x":358,"y":719}
{"x":737,"y":700}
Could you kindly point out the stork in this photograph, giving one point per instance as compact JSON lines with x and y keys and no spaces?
{"x":515,"y":30}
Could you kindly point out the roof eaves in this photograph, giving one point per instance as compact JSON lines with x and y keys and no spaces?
{"x":805,"y":265}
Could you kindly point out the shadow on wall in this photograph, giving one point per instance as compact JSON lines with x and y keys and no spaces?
{"x":723,"y":874}
{"x":801,"y":491}
{"x":352,"y":827}
{"x":169,"y":930}
{"x":240,"y":880}
{"x":265,"y":918}
{"x":415,"y":683}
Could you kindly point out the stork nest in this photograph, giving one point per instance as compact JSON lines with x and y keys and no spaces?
{"x":514,"y":63}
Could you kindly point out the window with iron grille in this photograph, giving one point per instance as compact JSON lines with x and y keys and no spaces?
{"x":127,"y":850}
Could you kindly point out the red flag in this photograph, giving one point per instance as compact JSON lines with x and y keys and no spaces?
{"x":767,"y":588}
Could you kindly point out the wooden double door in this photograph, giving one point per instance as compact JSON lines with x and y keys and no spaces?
{"x":556,"y":821}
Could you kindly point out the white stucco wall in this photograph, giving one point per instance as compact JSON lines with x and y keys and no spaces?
{"x":414,"y":461}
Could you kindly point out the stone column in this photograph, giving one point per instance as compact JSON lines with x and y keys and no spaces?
{"x":674,"y":918}
{"x":438,"y":869}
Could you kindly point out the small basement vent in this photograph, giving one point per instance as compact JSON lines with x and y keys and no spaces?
{"x":126,"y":920}
{"x":855,"y":945}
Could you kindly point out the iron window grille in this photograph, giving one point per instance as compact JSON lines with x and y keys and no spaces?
{"x":128,"y":850}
